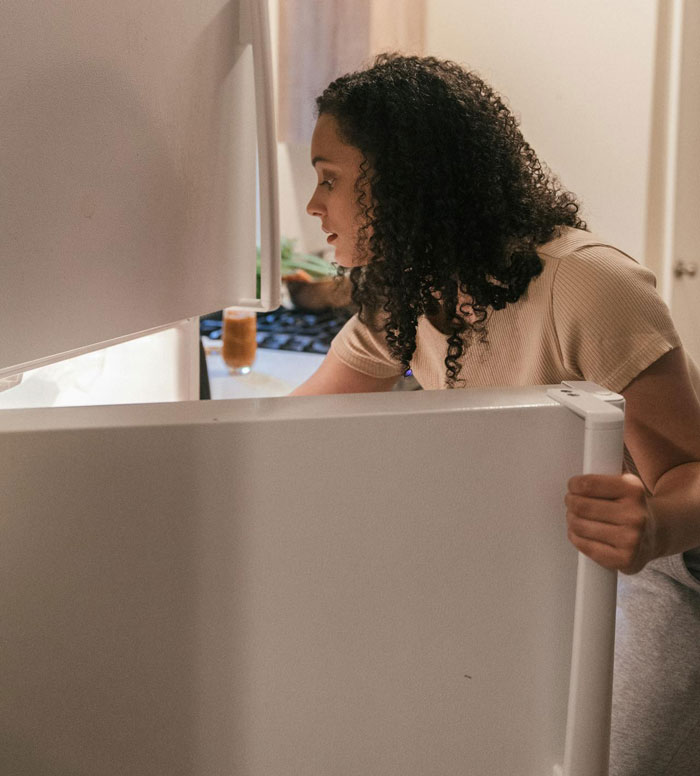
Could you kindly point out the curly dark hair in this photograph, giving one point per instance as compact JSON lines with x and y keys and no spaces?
{"x":458,"y":200}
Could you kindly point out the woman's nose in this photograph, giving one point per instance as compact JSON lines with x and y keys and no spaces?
{"x":313,"y":207}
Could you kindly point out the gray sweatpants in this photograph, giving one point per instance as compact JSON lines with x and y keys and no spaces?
{"x":656,"y":694}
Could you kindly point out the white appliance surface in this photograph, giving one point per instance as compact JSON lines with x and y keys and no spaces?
{"x":374,"y":584}
{"x":128,"y":169}
{"x":160,"y":367}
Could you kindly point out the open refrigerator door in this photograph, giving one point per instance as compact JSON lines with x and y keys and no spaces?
{"x":128,"y":136}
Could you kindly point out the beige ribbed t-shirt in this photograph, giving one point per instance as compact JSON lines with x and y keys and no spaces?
{"x":592,"y":314}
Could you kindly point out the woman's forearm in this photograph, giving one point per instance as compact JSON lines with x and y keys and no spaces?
{"x":675,"y":507}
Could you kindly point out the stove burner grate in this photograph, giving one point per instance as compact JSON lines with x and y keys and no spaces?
{"x":289,"y":329}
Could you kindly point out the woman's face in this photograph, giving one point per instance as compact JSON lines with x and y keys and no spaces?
{"x":334,"y":200}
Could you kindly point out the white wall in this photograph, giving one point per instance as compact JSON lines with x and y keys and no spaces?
{"x":580,"y":76}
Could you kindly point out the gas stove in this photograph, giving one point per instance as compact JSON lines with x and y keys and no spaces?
{"x":302,"y":331}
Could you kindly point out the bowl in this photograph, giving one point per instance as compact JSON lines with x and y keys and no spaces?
{"x":320,"y":294}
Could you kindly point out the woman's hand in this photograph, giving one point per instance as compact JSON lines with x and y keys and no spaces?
{"x":615,"y":520}
{"x":610,"y":521}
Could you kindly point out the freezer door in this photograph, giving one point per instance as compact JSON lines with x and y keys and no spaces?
{"x":128,"y":169}
{"x":347,"y":585}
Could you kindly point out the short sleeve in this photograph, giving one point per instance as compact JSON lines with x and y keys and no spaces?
{"x":365,"y":350}
{"x":610,"y":322}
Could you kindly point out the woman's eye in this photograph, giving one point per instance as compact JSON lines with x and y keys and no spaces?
{"x":328,"y":182}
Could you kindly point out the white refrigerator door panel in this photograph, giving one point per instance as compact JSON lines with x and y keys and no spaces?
{"x":127,"y":169}
{"x":351,"y":585}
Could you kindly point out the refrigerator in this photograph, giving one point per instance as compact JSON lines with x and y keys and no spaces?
{"x":377,"y":583}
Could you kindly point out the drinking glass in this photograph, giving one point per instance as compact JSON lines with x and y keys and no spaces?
{"x":239,"y":343}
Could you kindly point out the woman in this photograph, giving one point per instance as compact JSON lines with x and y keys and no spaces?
{"x":470,"y":265}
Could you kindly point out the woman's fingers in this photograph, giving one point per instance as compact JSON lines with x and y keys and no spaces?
{"x":604,"y":555}
{"x":609,"y":521}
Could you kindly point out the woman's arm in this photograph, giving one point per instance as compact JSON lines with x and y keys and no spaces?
{"x":614,"y":520}
{"x":333,"y":376}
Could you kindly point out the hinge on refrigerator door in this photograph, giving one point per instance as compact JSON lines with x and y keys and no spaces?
{"x":597,"y":390}
{"x":591,"y":401}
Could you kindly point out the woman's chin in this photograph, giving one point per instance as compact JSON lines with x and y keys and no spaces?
{"x":343,"y":260}
{"x":346,"y":257}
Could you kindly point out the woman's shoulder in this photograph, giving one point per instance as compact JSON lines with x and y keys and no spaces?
{"x":574,"y":256}
{"x":568,"y":241}
{"x":610,"y":322}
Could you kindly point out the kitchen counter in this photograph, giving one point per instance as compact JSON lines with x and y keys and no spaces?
{"x":274,"y":373}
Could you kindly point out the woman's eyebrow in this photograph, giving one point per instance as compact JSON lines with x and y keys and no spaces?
{"x":318,"y":159}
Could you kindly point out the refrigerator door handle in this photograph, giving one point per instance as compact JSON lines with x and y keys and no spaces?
{"x":587,"y":743}
{"x":270,"y":270}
